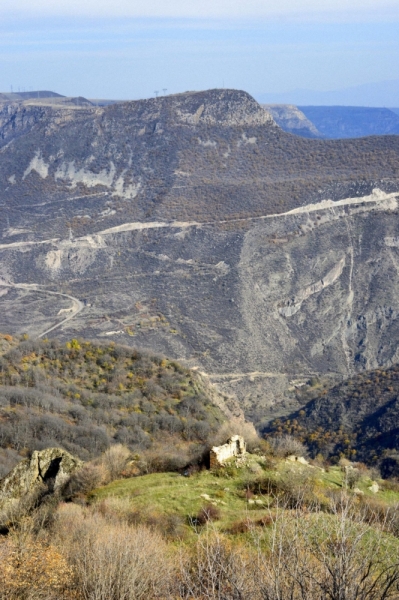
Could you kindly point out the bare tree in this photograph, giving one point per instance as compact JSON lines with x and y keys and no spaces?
{"x":215,"y":571}
{"x":115,"y":460}
{"x":113,"y":561}
{"x":285,"y":445}
{"x":336,"y":556}
{"x":356,"y":561}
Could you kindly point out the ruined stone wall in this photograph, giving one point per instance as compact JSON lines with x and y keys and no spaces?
{"x":235,"y":446}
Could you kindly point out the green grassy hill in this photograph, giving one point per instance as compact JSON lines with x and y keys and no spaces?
{"x":258,"y":527}
{"x":239,"y":495}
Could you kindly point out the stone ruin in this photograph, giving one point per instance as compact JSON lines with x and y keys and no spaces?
{"x":234,"y":447}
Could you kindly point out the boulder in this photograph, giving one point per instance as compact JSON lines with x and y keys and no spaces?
{"x":299,"y":459}
{"x":374,"y":487}
{"x":51,"y":467}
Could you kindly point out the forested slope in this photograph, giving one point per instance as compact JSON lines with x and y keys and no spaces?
{"x":358,"y":418}
{"x":84,"y":397}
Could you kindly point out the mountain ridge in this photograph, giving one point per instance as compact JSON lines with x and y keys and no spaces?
{"x":204,"y":234}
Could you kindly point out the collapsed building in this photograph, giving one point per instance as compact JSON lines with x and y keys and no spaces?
{"x":234,"y":447}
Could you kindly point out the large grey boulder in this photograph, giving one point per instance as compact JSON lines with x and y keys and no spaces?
{"x":51,"y":467}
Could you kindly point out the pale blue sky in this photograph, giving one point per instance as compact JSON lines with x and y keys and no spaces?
{"x":128,"y":49}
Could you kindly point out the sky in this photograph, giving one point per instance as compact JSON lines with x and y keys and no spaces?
{"x":128,"y":49}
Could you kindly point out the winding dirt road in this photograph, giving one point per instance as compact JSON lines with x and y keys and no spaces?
{"x":77,"y":305}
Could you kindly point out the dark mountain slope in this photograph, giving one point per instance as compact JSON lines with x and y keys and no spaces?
{"x":358,"y":418}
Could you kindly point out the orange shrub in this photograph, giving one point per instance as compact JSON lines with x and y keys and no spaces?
{"x":34,"y":569}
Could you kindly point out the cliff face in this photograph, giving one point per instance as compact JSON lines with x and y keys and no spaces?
{"x":52,"y":466}
{"x":193,"y":226}
{"x":290,"y":118}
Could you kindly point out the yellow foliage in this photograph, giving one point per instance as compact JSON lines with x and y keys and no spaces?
{"x":33,"y":569}
{"x":7,"y":337}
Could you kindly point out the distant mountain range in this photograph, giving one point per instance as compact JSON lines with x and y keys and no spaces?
{"x":383,"y":93}
{"x":334,"y":122}
{"x":352,"y":121}
{"x":46,"y":98}
{"x":21,"y":96}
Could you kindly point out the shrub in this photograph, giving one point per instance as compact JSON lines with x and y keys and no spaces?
{"x":162,"y":460}
{"x":216,"y":570}
{"x":293,"y":488}
{"x":266,"y":521}
{"x":113,"y":560}
{"x":34,"y":570}
{"x":352,"y":476}
{"x":208,"y":513}
{"x":286,"y":445}
{"x":390,"y":484}
{"x":114,"y":461}
{"x":83,"y":481}
{"x":239,"y":527}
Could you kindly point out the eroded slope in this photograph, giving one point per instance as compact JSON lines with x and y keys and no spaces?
{"x":193,"y":226}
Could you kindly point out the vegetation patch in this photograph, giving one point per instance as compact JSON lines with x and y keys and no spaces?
{"x":85,"y":397}
{"x":356,"y":419}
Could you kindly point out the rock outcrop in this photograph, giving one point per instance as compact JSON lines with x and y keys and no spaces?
{"x":292,"y":120}
{"x":51,"y":467}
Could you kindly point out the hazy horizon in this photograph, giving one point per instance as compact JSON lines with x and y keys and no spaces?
{"x":129,"y":50}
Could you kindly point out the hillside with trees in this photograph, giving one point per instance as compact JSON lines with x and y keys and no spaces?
{"x":85,"y":397}
{"x":130,"y":523}
{"x":356,"y":419}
